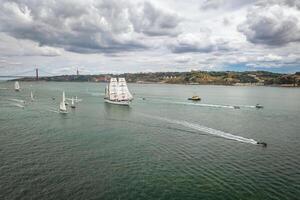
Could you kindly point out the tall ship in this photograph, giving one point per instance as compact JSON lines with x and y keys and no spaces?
{"x":117,"y":92}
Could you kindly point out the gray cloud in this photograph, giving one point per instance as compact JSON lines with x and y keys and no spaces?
{"x":211,"y":4}
{"x":153,"y":22}
{"x":105,"y":26}
{"x":272,"y":24}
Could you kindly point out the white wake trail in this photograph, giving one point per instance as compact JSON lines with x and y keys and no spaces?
{"x":52,"y":109}
{"x":206,"y":130}
{"x":205,"y":105}
{"x":55,"y":111}
{"x":18,"y":105}
{"x":17,"y":100}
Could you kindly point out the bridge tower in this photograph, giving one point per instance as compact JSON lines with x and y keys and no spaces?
{"x":36,"y":74}
{"x":77,"y":72}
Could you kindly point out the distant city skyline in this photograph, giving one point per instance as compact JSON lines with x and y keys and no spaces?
{"x":116,"y":36}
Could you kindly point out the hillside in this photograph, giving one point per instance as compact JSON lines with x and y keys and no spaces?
{"x":193,"y":77}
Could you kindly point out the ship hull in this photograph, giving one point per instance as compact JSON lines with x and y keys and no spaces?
{"x":121,"y":103}
{"x":63,"y":112}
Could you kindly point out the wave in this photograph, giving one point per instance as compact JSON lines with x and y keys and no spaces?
{"x":206,"y":130}
{"x":205,"y":105}
{"x":17,"y":100}
{"x":96,"y":94}
{"x":210,"y":105}
{"x":247,"y":106}
{"x":50,"y":110}
{"x":18,"y":105}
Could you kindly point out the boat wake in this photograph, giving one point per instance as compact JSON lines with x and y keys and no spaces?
{"x":52,"y":110}
{"x":17,"y":100}
{"x":247,"y":106}
{"x":205,"y":105}
{"x":206,"y":130}
{"x":17,"y":105}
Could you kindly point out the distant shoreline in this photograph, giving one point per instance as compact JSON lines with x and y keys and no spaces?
{"x":230,"y":78}
{"x":162,"y":83}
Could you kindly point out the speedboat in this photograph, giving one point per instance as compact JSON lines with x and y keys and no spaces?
{"x":264,"y":144}
{"x":258,"y":106}
{"x":194,"y":98}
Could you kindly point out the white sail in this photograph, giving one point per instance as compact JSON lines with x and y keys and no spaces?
{"x":122,"y":91}
{"x":76,"y":100}
{"x":17,"y":86}
{"x":106,"y":92}
{"x":117,"y":92}
{"x":62,"y":105}
{"x":64,"y":97}
{"x":72,"y":103}
{"x":31,"y":96}
{"x":122,"y":83}
{"x":113,"y":89}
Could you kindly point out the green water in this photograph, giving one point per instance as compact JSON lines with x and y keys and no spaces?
{"x":159,"y":148}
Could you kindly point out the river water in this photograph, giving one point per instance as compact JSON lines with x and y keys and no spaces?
{"x":161,"y":147}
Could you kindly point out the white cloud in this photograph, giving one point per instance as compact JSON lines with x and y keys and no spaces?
{"x":10,"y":46}
{"x":183,"y":59}
{"x":269,"y":58}
{"x":273,"y":25}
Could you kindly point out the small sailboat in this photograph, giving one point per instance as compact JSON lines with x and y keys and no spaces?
{"x":77,"y":100}
{"x":17,"y":86}
{"x":72,"y":103}
{"x":31,"y":96}
{"x":116,"y":92}
{"x":62,"y":105}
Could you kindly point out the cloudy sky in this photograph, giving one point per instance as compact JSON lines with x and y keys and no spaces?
{"x":99,"y":36}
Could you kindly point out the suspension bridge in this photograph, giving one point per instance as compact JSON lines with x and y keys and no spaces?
{"x":33,"y":73}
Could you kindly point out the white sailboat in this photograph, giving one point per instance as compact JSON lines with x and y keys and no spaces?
{"x":62,"y":105}
{"x":31,"y":96}
{"x":117,"y":92}
{"x":72,"y":103}
{"x":17,"y":86}
{"x":77,"y":100}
